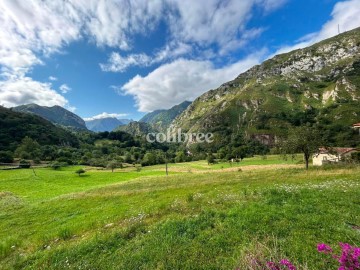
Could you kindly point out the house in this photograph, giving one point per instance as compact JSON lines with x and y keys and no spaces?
{"x":332,"y":155}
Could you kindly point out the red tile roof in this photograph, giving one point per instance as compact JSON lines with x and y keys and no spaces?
{"x":336,"y":150}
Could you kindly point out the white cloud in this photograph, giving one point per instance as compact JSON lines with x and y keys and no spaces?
{"x":206,"y":23}
{"x":344,"y":14}
{"x":118,"y":63}
{"x":35,"y":29}
{"x":106,"y":115}
{"x":270,"y":5}
{"x":64,"y":88}
{"x":24,"y":90}
{"x":52,"y":78}
{"x":182,"y":80}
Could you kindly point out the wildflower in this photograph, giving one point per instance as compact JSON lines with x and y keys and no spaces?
{"x":349,"y":258}
{"x":323,"y":248}
{"x":288,"y":264}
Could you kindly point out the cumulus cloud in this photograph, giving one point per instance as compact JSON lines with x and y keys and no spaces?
{"x":33,"y":29}
{"x":52,"y":78}
{"x":183,"y":79}
{"x":106,"y":115}
{"x":24,"y":90}
{"x":207,"y":23}
{"x":64,"y":88}
{"x":210,"y":21}
{"x":118,"y":63}
{"x":344,"y":14}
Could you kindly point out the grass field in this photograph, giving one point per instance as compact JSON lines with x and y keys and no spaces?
{"x":198,"y":217}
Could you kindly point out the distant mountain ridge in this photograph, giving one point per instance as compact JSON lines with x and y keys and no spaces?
{"x":55,"y":114}
{"x":103,"y":124}
{"x":161,"y":119}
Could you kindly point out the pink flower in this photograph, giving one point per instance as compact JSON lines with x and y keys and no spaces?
{"x":323,"y":248}
{"x":288,"y":264}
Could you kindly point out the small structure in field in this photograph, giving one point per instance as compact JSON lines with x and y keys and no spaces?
{"x":332,"y":155}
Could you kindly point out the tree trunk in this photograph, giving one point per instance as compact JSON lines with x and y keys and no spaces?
{"x":307,"y":162}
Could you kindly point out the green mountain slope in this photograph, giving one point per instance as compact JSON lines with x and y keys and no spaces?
{"x":161,"y":119}
{"x":56,"y":114}
{"x":319,"y":84}
{"x":137,"y":129}
{"x":14,"y":126}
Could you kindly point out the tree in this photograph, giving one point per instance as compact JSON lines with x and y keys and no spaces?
{"x":28,"y":149}
{"x":113,"y":165}
{"x":180,"y":157}
{"x":80,"y":171}
{"x":210,"y":159}
{"x":56,"y":165}
{"x":305,"y":139}
{"x":128,"y":158}
{"x":6,"y":157}
{"x":149,"y":159}
{"x":240,"y":152}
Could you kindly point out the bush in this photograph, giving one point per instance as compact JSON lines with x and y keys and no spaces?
{"x":355,"y":157}
{"x":80,"y":171}
{"x":24,"y":164}
{"x":37,"y":161}
{"x":56,"y":165}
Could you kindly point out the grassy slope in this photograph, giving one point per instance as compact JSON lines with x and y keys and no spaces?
{"x":183,"y":221}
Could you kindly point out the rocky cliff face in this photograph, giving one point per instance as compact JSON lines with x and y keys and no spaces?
{"x":320,"y":83}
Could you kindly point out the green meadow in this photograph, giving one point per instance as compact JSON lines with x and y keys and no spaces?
{"x":200,"y":216}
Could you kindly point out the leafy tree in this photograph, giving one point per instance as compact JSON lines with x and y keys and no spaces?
{"x":56,"y":165}
{"x":80,"y":171}
{"x":128,"y":158}
{"x":210,"y":159}
{"x":28,"y":148}
{"x":180,"y":157}
{"x":305,"y":139}
{"x":112,"y":165}
{"x":240,"y":152}
{"x":149,"y":159}
{"x":6,"y":157}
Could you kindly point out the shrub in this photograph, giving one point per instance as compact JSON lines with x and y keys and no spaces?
{"x":355,"y":157}
{"x":24,"y":164}
{"x":56,"y":165}
{"x":80,"y":171}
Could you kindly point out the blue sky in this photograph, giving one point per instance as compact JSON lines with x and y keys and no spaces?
{"x":103,"y":58}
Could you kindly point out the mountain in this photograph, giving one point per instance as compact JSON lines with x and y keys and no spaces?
{"x":103,"y":124}
{"x":126,"y":121}
{"x":14,"y":126}
{"x":137,"y":129}
{"x":319,"y":84}
{"x":161,"y":119}
{"x":56,"y":114}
